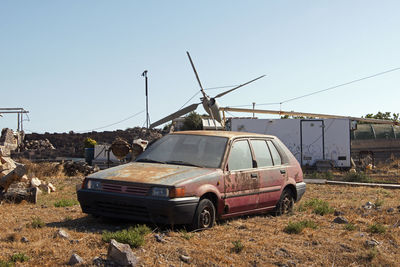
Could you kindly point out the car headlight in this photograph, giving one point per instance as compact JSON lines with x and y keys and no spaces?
{"x":159,"y":192}
{"x":94,"y":185}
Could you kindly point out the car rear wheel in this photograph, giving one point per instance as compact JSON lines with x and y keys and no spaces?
{"x":285,"y":203}
{"x":205,"y":215}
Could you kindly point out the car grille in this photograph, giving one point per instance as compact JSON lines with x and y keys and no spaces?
{"x":123,"y":209}
{"x":126,"y":189}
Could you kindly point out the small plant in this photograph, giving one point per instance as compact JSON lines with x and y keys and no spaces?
{"x":89,"y":142}
{"x":37,"y":223}
{"x":359,"y":177}
{"x":297,"y":227}
{"x":319,"y":206}
{"x":20,"y":257}
{"x":378,"y":203}
{"x":376,"y":228}
{"x":349,"y":227}
{"x":66,"y":203}
{"x":186,"y":235}
{"x":301,"y":208}
{"x":237,"y":246}
{"x":371,"y":254}
{"x":6,"y":264}
{"x":134,"y":236}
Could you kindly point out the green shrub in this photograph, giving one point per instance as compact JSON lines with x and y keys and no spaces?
{"x":359,"y":177}
{"x":37,"y":223}
{"x":378,"y":203}
{"x":89,"y":142}
{"x":349,"y":227}
{"x":134,"y":236}
{"x":319,"y":206}
{"x":376,"y":228}
{"x":237,"y":246}
{"x":66,"y":203}
{"x":6,"y":264}
{"x":186,"y":235}
{"x":21,"y":257}
{"x":297,"y":227}
{"x":193,"y":121}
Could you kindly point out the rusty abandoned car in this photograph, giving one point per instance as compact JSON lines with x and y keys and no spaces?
{"x":196,"y":177}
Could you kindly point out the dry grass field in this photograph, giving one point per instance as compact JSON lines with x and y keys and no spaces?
{"x":371,"y":238}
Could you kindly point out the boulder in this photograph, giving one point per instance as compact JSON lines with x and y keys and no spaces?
{"x":121,"y":254}
{"x":75,"y":259}
{"x":35,"y":182}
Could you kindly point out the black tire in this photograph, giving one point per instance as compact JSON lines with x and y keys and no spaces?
{"x":285,"y":203}
{"x":204,"y":216}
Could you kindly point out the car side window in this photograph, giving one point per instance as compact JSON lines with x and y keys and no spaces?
{"x":275,"y":154}
{"x":261,"y":152}
{"x":240,"y":156}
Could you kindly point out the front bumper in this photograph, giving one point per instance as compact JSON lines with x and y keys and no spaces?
{"x":300,"y":190}
{"x":138,"y":208}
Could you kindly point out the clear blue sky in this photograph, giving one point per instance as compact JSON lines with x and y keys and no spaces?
{"x":76,"y":65}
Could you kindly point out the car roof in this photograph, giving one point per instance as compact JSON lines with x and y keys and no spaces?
{"x":228,"y":134}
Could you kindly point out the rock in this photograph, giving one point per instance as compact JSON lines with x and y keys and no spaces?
{"x":24,"y":179}
{"x":7,"y":164}
{"x":35,"y":182}
{"x":338,"y":213}
{"x":52,"y":187}
{"x":283,"y":253}
{"x":75,"y":259}
{"x":340,"y":220}
{"x":159,"y":238}
{"x":371,"y":243}
{"x":45,"y":188}
{"x":10,"y":176}
{"x":61,"y":233}
{"x":121,"y":254}
{"x":98,"y":261}
{"x":184,"y":258}
{"x":24,"y":240}
{"x":369,"y":205}
{"x":4,"y":151}
{"x":389,"y":210}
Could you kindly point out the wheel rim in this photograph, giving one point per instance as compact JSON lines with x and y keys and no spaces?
{"x":205,"y":218}
{"x":287,"y":205}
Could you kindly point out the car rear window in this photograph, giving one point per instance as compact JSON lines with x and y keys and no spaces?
{"x":261,"y":152}
{"x":275,"y":154}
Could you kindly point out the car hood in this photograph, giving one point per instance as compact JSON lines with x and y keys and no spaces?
{"x":151,"y":173}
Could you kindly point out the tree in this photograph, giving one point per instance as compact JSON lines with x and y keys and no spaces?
{"x":192,"y":122}
{"x":384,"y":116}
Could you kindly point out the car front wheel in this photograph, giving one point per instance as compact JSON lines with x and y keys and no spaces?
{"x":205,"y":215}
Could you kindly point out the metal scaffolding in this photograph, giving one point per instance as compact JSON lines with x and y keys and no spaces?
{"x":19,"y":111}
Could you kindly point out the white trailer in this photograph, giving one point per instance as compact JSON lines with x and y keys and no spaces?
{"x":310,"y":140}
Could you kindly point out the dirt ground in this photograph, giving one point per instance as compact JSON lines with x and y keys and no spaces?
{"x":263,"y":238}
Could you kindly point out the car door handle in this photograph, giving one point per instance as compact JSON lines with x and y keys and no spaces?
{"x":254,"y":175}
{"x":283,"y":171}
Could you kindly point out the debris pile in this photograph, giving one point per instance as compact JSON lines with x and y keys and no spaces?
{"x":44,"y":144}
{"x":15,"y":185}
{"x":73,"y":168}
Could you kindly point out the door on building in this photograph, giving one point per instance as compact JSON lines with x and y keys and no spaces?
{"x":312,"y":141}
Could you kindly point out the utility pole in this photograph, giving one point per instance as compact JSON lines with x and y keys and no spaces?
{"x":144,"y":74}
{"x":254,"y":105}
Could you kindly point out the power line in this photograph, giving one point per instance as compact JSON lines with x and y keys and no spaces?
{"x":134,"y":115}
{"x":340,"y":85}
{"x":189,"y":100}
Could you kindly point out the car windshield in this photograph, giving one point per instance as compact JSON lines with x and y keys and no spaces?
{"x":191,"y":150}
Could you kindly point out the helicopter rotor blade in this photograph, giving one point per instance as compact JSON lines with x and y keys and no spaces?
{"x":226,"y":92}
{"x":175,"y":115}
{"x":195,"y":72}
